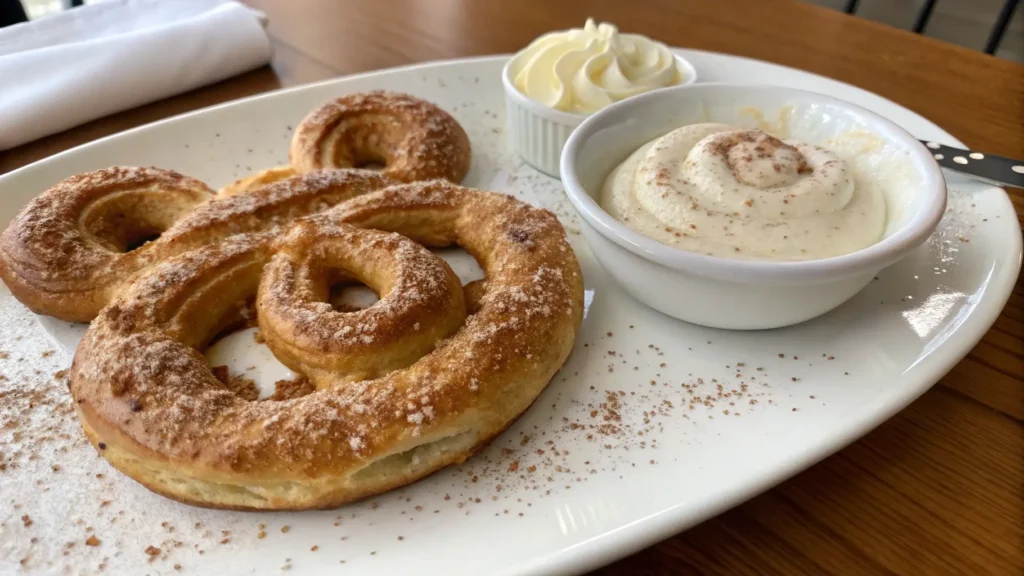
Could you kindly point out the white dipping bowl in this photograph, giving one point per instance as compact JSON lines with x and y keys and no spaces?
{"x":538,"y":132}
{"x":743,"y":294}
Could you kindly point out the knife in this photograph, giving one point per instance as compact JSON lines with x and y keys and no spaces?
{"x":993,"y":169}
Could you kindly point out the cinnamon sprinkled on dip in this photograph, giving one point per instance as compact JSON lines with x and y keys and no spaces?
{"x":745,"y":194}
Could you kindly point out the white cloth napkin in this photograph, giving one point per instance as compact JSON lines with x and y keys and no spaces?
{"x":64,"y":70}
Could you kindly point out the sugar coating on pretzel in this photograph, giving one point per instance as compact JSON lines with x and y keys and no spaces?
{"x":70,"y":248}
{"x":74,"y":247}
{"x":420,"y":302}
{"x":148,"y":400}
{"x":408,"y":138}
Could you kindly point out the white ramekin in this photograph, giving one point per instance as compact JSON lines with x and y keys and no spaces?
{"x":739,"y":294}
{"x":537,"y":132}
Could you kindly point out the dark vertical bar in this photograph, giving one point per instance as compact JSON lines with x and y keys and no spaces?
{"x":11,"y":12}
{"x":923,"y":15}
{"x":851,"y":6}
{"x":1000,"y":28}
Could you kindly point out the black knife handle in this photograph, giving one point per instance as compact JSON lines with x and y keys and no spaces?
{"x":1003,"y":171}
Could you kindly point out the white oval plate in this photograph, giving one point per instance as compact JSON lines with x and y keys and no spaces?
{"x":577,"y":482}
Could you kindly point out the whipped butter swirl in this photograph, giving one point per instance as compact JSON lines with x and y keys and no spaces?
{"x":726,"y":192}
{"x":585,"y":69}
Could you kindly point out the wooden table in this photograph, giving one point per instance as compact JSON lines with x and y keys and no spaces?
{"x":940,"y":487}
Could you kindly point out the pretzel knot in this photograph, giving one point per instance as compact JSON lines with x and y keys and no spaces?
{"x":411,"y":384}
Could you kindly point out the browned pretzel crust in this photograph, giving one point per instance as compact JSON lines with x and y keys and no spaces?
{"x":148,"y":400}
{"x":82,"y":241}
{"x":411,"y":139}
{"x":74,"y":247}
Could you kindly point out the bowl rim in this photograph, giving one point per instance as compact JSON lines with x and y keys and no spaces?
{"x":573,"y":118}
{"x":930,"y":200}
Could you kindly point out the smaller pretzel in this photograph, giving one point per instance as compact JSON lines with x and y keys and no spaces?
{"x":411,"y":139}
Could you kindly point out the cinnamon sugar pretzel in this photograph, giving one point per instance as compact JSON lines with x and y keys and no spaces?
{"x":149,"y":402}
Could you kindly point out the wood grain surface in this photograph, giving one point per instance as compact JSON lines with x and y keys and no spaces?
{"x":939,"y":489}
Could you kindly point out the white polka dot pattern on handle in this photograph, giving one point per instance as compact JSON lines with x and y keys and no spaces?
{"x":987,"y":167}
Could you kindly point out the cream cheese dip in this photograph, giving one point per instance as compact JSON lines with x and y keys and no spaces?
{"x":734,"y":193}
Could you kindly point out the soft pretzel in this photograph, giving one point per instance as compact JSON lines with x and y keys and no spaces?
{"x":149,"y":402}
{"x":76,"y":245}
{"x":411,"y":139}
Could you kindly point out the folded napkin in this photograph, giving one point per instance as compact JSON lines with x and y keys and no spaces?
{"x":64,"y":70}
